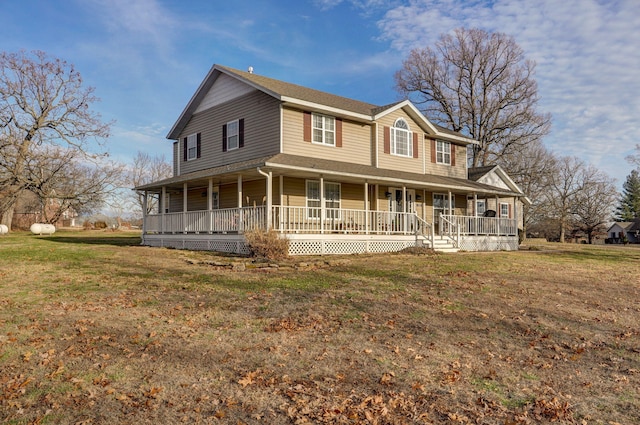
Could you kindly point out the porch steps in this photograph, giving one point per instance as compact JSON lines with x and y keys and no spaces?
{"x":444,"y":245}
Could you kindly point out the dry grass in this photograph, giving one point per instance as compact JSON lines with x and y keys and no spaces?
{"x":95,"y":329}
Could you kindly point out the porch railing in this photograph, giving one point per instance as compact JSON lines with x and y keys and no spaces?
{"x":286,"y":219}
{"x":481,"y":226}
{"x":310,"y":220}
{"x":230,"y":220}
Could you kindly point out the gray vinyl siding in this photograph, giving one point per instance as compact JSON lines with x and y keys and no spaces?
{"x":261,"y":114}
{"x":176,"y":158}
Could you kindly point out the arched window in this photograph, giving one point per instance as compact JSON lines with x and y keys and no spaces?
{"x":401,"y":138}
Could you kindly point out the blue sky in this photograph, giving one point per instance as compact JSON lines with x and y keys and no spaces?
{"x":145,"y":58}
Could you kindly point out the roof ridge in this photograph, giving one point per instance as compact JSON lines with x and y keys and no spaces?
{"x":285,"y":88}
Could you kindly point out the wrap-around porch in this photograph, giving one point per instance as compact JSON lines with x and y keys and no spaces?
{"x":370,"y":231}
{"x":327,"y":210}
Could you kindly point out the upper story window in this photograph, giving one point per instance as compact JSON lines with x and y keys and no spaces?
{"x":401,"y":139}
{"x":324,"y":130}
{"x":233,"y":135}
{"x":191,"y":147}
{"x":443,"y":152}
{"x":504,"y":210}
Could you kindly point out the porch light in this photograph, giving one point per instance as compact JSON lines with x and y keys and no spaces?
{"x":418,"y":197}
{"x":388,"y":195}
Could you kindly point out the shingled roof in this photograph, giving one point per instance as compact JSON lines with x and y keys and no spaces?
{"x":294,"y":93}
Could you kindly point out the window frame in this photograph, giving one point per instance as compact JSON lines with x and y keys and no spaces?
{"x":395,"y":131}
{"x":314,"y":211}
{"x":482,"y":202}
{"x":192,"y":147}
{"x":231,"y":135}
{"x":504,"y":214}
{"x":324,"y":130}
{"x":443,"y":152}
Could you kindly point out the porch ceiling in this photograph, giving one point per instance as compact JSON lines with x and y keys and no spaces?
{"x":304,"y":167}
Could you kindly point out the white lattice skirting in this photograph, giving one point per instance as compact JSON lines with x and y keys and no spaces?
{"x":325,"y":244}
{"x":235,"y":245}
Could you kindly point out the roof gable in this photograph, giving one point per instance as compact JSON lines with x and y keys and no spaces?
{"x":494,"y":175}
{"x":223,"y":83}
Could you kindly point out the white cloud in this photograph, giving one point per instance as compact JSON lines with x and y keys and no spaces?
{"x":588,"y":56}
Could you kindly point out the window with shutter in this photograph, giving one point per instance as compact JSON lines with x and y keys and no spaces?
{"x":192,"y":147}
{"x":443,"y":152}
{"x":401,"y":138}
{"x":323,"y":130}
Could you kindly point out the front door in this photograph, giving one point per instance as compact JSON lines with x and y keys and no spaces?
{"x":397,"y":207}
{"x":441,"y":205}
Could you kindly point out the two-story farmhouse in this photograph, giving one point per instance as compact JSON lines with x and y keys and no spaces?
{"x":331,"y":174}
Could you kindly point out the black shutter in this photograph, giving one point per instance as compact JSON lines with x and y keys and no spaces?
{"x":185,"y":148}
{"x":198,"y":148}
{"x":241,"y":133}
{"x":224,"y":138}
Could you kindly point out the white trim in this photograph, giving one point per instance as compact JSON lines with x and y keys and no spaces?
{"x":505,"y":204}
{"x":394,"y":137}
{"x":443,"y":152}
{"x":425,"y":121}
{"x":322,"y":108}
{"x":281,"y":129}
{"x":192,"y":143}
{"x":326,"y":119}
{"x":370,"y":177}
{"x":237,"y":135}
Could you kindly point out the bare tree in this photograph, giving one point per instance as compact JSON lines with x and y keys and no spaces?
{"x":60,"y":174}
{"x":42,"y":103}
{"x":531,"y":169}
{"x":594,"y":203}
{"x":146,"y":169}
{"x":563,"y":186}
{"x":479,"y":84}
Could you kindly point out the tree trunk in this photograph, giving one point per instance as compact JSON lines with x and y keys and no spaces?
{"x":7,"y":216}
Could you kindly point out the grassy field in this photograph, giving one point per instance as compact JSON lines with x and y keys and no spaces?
{"x":95,"y":329}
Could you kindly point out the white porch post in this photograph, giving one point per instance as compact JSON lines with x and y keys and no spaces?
{"x":240,"y":215}
{"x":366,"y":207}
{"x":184,"y":206}
{"x":376,"y":222}
{"x":210,"y":204}
{"x":404,"y":209}
{"x":281,"y":210}
{"x":163,"y":208}
{"x":450,"y":212}
{"x":210,"y":195}
{"x":269,"y":199}
{"x":475,"y":212}
{"x":515,"y":215}
{"x":424,"y":204}
{"x":323,"y":211}
{"x":144,"y":213}
{"x":499,"y":219}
